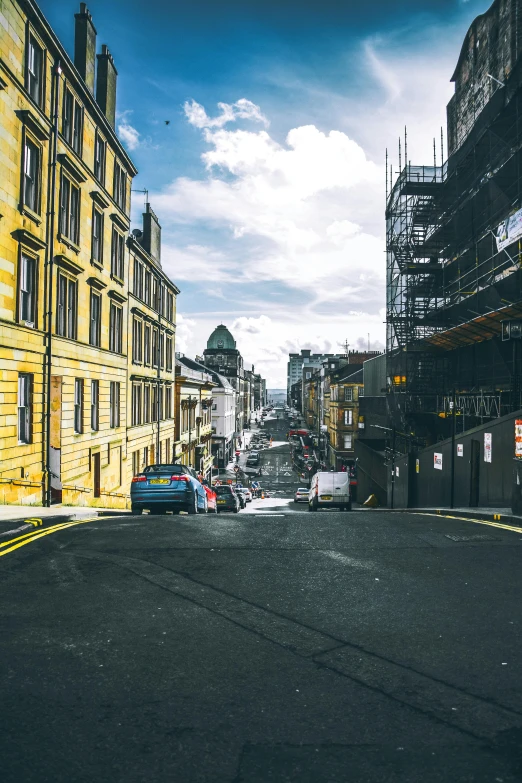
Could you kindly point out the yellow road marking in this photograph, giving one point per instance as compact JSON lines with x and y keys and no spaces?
{"x":476,"y":521}
{"x":30,"y":537}
{"x":32,"y":533}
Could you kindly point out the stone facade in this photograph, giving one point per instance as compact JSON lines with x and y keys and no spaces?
{"x":194,"y":388}
{"x":64,"y":270}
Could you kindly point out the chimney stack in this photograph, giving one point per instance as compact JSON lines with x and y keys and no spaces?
{"x":106,"y":84}
{"x":85,"y":46}
{"x":151,"y":239}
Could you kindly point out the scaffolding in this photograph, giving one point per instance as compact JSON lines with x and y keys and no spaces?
{"x":449,"y":287}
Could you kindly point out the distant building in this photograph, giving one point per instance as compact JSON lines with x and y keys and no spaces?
{"x":223,"y":356}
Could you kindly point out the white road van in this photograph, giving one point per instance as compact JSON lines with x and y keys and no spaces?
{"x":330,"y":490}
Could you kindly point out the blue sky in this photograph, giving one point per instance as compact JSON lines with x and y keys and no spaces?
{"x":269,"y":178}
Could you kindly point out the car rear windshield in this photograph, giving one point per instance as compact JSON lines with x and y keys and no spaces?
{"x":302,"y":489}
{"x":223,"y":490}
{"x":174,"y":470}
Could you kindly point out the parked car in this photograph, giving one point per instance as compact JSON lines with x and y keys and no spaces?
{"x":211,"y":497}
{"x":246,"y":493}
{"x":227,"y":499}
{"x":253,"y":459}
{"x":166,"y":487}
{"x":301,"y":495}
{"x":330,"y":490}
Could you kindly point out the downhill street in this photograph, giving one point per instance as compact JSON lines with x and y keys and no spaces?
{"x":276,"y":645}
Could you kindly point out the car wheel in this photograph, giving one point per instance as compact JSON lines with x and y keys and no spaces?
{"x":136,"y":511}
{"x":236,"y":510}
{"x":192,"y":508}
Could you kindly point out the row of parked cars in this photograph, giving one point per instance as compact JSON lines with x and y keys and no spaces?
{"x":162,"y":488}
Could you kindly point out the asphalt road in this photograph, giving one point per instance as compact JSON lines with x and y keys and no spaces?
{"x":277,"y":646}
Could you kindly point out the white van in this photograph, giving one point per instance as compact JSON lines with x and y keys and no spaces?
{"x":330,"y":490}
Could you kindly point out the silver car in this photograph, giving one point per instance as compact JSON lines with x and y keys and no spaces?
{"x":301,"y":495}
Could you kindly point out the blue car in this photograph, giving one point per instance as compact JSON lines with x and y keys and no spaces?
{"x":162,"y":488}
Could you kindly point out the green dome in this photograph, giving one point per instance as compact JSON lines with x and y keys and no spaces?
{"x":221,"y":338}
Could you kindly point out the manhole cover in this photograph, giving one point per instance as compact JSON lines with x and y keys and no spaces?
{"x":476,"y":537}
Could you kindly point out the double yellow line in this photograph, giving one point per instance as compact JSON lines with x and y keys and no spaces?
{"x":28,"y":538}
{"x":472,"y":519}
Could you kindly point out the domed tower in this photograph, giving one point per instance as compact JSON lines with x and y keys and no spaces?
{"x":222,"y":356}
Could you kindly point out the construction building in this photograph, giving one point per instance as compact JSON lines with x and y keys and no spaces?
{"x":454,"y":231}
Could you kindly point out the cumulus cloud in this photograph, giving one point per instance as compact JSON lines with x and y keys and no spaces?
{"x":242,"y":109}
{"x":291,"y":247}
{"x":184,"y":333}
{"x":129,"y":135}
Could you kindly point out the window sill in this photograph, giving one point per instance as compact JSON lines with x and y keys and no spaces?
{"x":117,"y":280}
{"x":70,"y":244}
{"x":28,"y":212}
{"x":97,"y":264}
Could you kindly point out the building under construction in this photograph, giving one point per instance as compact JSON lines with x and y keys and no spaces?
{"x":454,"y":232}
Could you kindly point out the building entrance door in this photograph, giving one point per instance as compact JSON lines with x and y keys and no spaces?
{"x":96,"y":467}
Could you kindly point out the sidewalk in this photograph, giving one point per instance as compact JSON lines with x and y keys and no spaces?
{"x":15,"y":519}
{"x":502,"y":515}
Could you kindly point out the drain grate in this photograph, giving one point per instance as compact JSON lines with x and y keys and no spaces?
{"x":476,"y":537}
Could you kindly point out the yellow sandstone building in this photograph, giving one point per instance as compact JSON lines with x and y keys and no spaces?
{"x":86,"y":347}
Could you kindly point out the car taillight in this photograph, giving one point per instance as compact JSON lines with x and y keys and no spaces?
{"x":179,"y":478}
{"x":138,"y":478}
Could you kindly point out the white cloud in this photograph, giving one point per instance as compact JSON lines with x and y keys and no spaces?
{"x":242,"y":109}
{"x":129,"y":135}
{"x":184,"y":333}
{"x":251,"y":325}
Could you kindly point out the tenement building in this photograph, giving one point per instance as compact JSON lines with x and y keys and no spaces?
{"x":65,"y":194}
{"x":151,"y":435}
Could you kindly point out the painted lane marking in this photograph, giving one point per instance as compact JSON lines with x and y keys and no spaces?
{"x":470,"y":519}
{"x":33,"y":536}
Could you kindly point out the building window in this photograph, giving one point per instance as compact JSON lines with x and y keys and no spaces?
{"x":146,"y":456}
{"x":136,"y":404}
{"x":31,"y":181}
{"x":120,"y":186}
{"x":348,"y":394}
{"x":162,"y":350}
{"x":168,"y":354}
{"x":168,"y":455}
{"x":99,"y":159}
{"x":70,"y":211}
{"x":25,"y":394}
{"x":348,"y":417}
{"x":27,"y":290}
{"x":117,"y":254}
{"x":137,"y":340}
{"x":135,"y":462}
{"x":115,"y":404}
{"x":168,"y":402}
{"x":78,"y":405}
{"x":35,"y":71}
{"x":154,"y":347}
{"x":360,"y":391}
{"x":169,"y":315}
{"x":146,"y":345}
{"x":95,"y":321}
{"x":347,"y":440}
{"x":146,"y":403}
{"x":72,"y":122}
{"x":156,"y":289}
{"x":97,"y":236}
{"x":154,"y":402}
{"x":161,"y":399}
{"x":66,"y":307}
{"x":147,"y":292}
{"x":116,"y":329}
{"x":95,"y":406}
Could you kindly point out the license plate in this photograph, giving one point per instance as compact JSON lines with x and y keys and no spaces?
{"x":159,"y":481}
{"x":326,"y":497}
{"x":221,"y":501}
